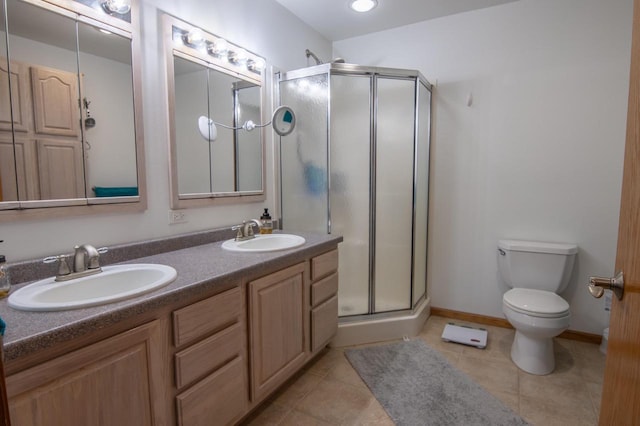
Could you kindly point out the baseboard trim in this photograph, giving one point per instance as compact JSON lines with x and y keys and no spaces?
{"x":580,"y":336}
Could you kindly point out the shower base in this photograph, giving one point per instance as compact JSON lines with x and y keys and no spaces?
{"x":379,"y":328}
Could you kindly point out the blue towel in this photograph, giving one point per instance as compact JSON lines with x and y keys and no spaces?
{"x":115,"y":191}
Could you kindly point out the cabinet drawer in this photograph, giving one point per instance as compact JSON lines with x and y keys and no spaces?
{"x":324,"y":289}
{"x":324,"y":264}
{"x":206,"y":356}
{"x":220,"y":398}
{"x":206,"y":316}
{"x":324,"y":323}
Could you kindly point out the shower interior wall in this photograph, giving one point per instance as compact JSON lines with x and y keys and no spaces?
{"x":357,"y":165}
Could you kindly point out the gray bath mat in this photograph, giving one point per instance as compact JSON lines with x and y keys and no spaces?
{"x":417,"y":386}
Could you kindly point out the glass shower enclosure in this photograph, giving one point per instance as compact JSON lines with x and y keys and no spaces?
{"x":357,"y":164}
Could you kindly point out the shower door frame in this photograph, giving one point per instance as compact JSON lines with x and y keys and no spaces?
{"x":373,"y":73}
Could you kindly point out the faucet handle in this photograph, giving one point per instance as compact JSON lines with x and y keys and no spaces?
{"x":63,"y":267}
{"x":94,"y":263}
{"x":240,"y":229}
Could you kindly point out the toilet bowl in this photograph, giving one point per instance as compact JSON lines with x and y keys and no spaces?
{"x":536,"y":272}
{"x":538,"y":316}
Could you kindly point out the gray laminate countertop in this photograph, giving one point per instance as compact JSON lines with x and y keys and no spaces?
{"x":202,"y":269}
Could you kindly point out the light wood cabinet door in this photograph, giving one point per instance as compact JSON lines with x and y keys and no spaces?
{"x":20,"y":97}
{"x":112,"y":382}
{"x":206,"y":316}
{"x":324,"y":264}
{"x":219,"y":399}
{"x":324,"y":323}
{"x":4,"y":403}
{"x":18,"y":176}
{"x":279,"y":312}
{"x":61,"y":169}
{"x":56,"y":103}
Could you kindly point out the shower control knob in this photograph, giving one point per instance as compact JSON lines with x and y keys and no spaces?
{"x":597,"y":285}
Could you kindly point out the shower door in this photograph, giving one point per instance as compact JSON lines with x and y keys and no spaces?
{"x":357,"y":164}
{"x":304,"y":156}
{"x":394,"y":141}
{"x":350,"y":198}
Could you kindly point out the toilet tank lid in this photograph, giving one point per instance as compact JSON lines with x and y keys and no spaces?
{"x":537,"y":247}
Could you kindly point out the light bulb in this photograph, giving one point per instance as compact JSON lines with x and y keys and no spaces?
{"x":120,"y":7}
{"x":219,"y":47}
{"x":257,"y":64}
{"x":363,"y":5}
{"x":238,"y":57}
{"x":195,"y":37}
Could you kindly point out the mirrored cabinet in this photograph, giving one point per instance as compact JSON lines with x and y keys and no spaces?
{"x":216,"y":116}
{"x":70,"y":114}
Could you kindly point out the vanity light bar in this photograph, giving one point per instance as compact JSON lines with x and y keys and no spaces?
{"x":230,"y":55}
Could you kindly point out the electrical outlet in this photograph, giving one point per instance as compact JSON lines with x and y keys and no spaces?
{"x":177,"y":216}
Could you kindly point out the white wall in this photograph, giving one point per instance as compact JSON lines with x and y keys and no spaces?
{"x":262,"y":26}
{"x":539,"y":153}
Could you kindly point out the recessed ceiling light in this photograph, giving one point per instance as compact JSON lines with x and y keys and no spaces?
{"x":363,"y":5}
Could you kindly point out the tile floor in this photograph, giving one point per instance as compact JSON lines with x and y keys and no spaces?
{"x":330,"y":392}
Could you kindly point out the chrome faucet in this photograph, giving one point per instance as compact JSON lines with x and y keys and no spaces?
{"x":245,"y":229}
{"x":86,"y":261}
{"x":85,"y":258}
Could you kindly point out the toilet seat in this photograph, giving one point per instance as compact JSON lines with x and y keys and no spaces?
{"x":537,"y":303}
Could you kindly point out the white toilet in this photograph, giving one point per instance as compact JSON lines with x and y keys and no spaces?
{"x":536,"y":272}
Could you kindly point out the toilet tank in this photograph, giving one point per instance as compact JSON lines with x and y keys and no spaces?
{"x":536,"y":265}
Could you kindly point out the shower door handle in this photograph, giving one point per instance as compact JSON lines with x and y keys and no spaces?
{"x":597,"y":285}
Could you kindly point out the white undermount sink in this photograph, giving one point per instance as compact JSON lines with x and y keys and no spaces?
{"x":265,"y":243}
{"x":114,"y":283}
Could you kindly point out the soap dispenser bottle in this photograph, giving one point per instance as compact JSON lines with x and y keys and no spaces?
{"x":267,"y":223}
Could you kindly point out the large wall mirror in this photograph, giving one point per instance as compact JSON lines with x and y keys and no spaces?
{"x":215,"y":117}
{"x":70,"y":130}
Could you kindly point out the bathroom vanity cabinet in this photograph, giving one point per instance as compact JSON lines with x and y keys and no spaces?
{"x":211,"y":358}
{"x":109,"y":383}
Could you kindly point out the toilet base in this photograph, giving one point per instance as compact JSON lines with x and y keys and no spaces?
{"x":535,"y":356}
